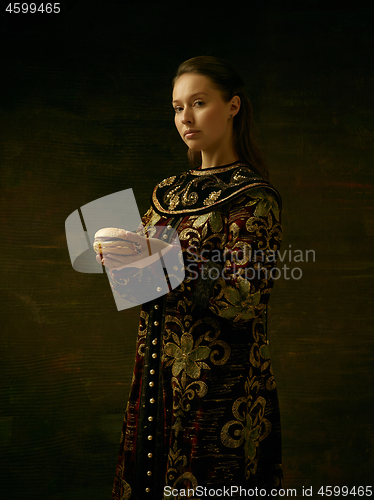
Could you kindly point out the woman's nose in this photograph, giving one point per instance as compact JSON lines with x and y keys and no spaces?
{"x":186,"y":117}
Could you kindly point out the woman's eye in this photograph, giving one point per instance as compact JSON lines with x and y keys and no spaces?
{"x":198,"y":103}
{"x":177,"y":109}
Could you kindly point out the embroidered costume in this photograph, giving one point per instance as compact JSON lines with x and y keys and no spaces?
{"x":203,"y":408}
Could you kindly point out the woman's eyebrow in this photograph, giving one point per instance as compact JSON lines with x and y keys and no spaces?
{"x":193,"y":95}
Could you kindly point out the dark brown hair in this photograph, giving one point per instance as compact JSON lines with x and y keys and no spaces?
{"x":226,"y":79}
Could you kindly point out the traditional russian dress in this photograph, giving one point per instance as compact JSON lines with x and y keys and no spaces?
{"x":203,"y":408}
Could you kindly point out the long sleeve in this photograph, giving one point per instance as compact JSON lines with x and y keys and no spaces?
{"x":240,"y":281}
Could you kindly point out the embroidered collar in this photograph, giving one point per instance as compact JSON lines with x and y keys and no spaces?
{"x":198,"y":191}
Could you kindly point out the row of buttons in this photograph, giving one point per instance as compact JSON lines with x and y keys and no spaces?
{"x":152,"y":372}
{"x":166,"y":236}
{"x":152,"y":401}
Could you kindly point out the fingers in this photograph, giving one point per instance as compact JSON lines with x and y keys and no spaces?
{"x":143,"y":241}
{"x":112,"y":261}
{"x":134,"y":237}
{"x":109,"y":262}
{"x":123,"y":251}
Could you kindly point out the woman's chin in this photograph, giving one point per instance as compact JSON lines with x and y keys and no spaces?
{"x":194,"y":147}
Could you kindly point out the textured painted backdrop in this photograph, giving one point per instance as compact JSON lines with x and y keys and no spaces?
{"x":85,"y":111}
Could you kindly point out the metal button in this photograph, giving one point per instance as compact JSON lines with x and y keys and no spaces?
{"x":152,"y":401}
{"x":149,"y":473}
{"x":152,"y":372}
{"x":147,"y":490}
{"x":169,"y":227}
{"x":154,"y":355}
{"x":164,"y":237}
{"x":154,"y":341}
{"x":150,"y":418}
{"x":156,"y":323}
{"x":150,"y":438}
{"x":159,"y":289}
{"x":156,"y":306}
{"x":150,"y":455}
{"x":151,"y":384}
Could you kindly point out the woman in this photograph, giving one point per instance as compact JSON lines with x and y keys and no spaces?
{"x":203,"y":409}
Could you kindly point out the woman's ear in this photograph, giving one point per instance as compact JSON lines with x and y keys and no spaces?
{"x":234,"y":105}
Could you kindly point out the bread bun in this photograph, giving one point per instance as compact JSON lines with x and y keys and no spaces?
{"x":111,"y":232}
{"x":111,"y":240}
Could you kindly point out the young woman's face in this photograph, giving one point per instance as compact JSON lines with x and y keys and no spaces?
{"x":202,"y":117}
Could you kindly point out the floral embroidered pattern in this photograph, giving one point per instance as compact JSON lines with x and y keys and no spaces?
{"x":265,"y":230}
{"x":185,"y":480}
{"x":264,"y":202}
{"x":250,"y":425}
{"x":242,"y":304}
{"x":185,"y":357}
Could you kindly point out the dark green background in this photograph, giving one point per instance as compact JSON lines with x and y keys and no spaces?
{"x":85,"y":111}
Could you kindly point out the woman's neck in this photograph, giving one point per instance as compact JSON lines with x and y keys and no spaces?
{"x":217,"y":159}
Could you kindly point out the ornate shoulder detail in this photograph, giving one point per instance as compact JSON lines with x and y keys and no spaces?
{"x":198,"y":191}
{"x":167,"y":182}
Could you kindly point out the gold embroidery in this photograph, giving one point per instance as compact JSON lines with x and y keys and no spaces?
{"x":201,"y":220}
{"x":143,"y":327}
{"x":214,"y":195}
{"x":168,"y":181}
{"x":265,"y":202}
{"x":234,"y":229}
{"x":240,"y":304}
{"x":216,"y":184}
{"x":194,"y":239}
{"x":126,"y":490}
{"x":153,"y":220}
{"x":215,"y":220}
{"x":264,"y":229}
{"x":244,"y":250}
{"x":184,"y":481}
{"x":238,"y":177}
{"x":185,"y":357}
{"x":189,"y":198}
{"x":173,"y":202}
{"x":250,"y":425}
{"x":186,"y":394}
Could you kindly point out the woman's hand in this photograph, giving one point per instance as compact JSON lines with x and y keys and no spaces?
{"x":142,"y":257}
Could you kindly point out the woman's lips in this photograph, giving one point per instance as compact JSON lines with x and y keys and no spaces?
{"x":190,"y":134}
